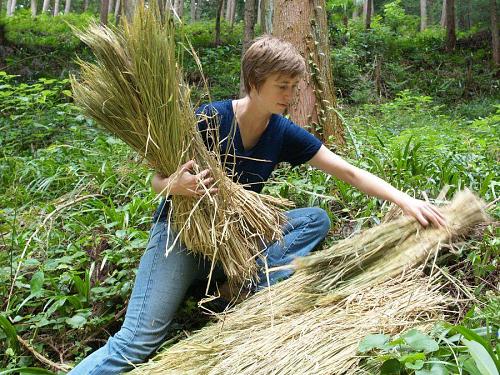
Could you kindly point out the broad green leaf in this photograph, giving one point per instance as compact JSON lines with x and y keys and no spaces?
{"x":375,"y":341}
{"x":36,"y":282}
{"x":419,"y":341}
{"x":417,"y":365}
{"x":77,"y":321}
{"x":390,"y":367}
{"x":484,"y":362}
{"x":10,"y":332}
{"x":436,"y":369}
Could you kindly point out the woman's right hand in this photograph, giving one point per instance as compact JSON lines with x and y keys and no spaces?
{"x":185,"y":182}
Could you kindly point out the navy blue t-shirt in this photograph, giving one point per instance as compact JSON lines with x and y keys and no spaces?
{"x":281,"y":141}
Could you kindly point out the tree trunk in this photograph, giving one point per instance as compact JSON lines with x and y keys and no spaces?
{"x":129,"y":8}
{"x":230,"y":10}
{"x":423,"y":15}
{"x":193,"y":11}
{"x":451,"y":37}
{"x":85,"y":5}
{"x":111,"y":6}
{"x":443,"y":15}
{"x":45,"y":6}
{"x":304,"y":24}
{"x":494,"y":34}
{"x":179,"y":8}
{"x":248,"y":36}
{"x":33,"y":8}
{"x":56,"y":7}
{"x":67,"y":7}
{"x":104,"y":12}
{"x":267,"y":16}
{"x":217,"y":22}
{"x":367,"y":12}
{"x":9,"y":7}
{"x":258,"y":20}
{"x":13,"y":7}
{"x":118,"y":11}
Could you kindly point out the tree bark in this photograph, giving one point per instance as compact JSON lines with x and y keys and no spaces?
{"x":111,"y":6}
{"x":179,"y":8}
{"x":56,"y":7}
{"x":129,"y":8}
{"x":118,"y":11}
{"x":45,"y":6}
{"x":451,"y":37}
{"x":230,"y":10}
{"x":443,"y":15}
{"x":494,"y":34}
{"x":248,"y":35}
{"x":67,"y":7}
{"x":193,"y":11}
{"x":304,"y":24}
{"x":104,"y":12}
{"x":33,"y":8}
{"x":258,"y":20}
{"x":9,"y":7}
{"x":217,"y":22}
{"x":423,"y":15}
{"x":267,"y":16}
{"x":367,"y":11}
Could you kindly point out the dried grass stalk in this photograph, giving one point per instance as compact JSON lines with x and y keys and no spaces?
{"x":321,"y":340}
{"x":135,"y":89}
{"x":312,"y":322}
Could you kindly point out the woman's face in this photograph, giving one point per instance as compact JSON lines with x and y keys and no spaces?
{"x":276,"y":93}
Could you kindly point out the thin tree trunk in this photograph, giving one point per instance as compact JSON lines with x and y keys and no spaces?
{"x":423,"y":15}
{"x":33,"y":8}
{"x":67,"y":7}
{"x":129,"y":8}
{"x":56,"y":7}
{"x":367,"y":10}
{"x":267,"y":16}
{"x":45,"y":6}
{"x":494,"y":34}
{"x":104,"y":12}
{"x":179,"y":7}
{"x":443,"y":15}
{"x":451,"y":37}
{"x":9,"y":7}
{"x":193,"y":11}
{"x":232,"y":13}
{"x":304,"y":24}
{"x":249,"y":34}
{"x":258,"y":21}
{"x":217,"y":22}
{"x":222,"y":13}
{"x":13,"y":7}
{"x":111,"y":6}
{"x":118,"y":11}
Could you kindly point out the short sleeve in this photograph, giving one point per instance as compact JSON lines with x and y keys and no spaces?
{"x":203,"y":115}
{"x":299,"y":146}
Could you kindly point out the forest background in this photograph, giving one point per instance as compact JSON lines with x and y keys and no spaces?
{"x":415,"y":97}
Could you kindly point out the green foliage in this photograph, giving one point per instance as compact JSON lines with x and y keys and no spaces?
{"x":446,"y":350}
{"x":45,"y":30}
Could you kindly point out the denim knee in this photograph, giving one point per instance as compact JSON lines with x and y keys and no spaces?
{"x":131,"y":349}
{"x":320,"y":220}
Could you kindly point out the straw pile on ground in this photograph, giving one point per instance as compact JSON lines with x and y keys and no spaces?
{"x":312,"y":322}
{"x":136,"y":91}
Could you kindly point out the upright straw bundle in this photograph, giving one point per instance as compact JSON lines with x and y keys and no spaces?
{"x":136,"y":91}
{"x":312,"y":322}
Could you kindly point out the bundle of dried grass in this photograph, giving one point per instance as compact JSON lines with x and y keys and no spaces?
{"x":136,"y":91}
{"x":312,"y":322}
{"x":321,"y":340}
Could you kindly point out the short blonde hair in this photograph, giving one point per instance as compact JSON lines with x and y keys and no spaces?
{"x":268,"y":55}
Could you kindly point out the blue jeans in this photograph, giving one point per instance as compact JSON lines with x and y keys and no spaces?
{"x":162,"y":282}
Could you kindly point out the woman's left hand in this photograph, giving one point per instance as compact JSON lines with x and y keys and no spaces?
{"x":424,"y":212}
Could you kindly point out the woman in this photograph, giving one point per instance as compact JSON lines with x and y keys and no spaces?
{"x":261,"y":139}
